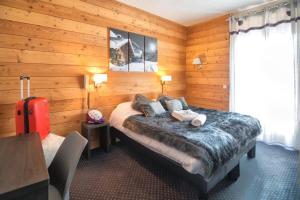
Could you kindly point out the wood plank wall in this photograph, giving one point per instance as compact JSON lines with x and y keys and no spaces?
{"x":56,"y":42}
{"x":209,"y":86}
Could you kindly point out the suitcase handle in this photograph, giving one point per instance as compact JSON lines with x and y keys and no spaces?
{"x":22,"y":77}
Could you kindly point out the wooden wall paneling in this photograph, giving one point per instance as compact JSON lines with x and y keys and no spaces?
{"x":24,"y":16}
{"x":209,"y":86}
{"x":219,"y":21}
{"x":28,"y":56}
{"x":138,"y":14}
{"x":37,"y":44}
{"x":95,"y":15}
{"x":47,"y":70}
{"x":112,"y":15}
{"x":12,"y":96}
{"x":57,"y":42}
{"x":64,"y":128}
{"x":13,"y":83}
{"x":42,"y":32}
{"x":191,"y":67}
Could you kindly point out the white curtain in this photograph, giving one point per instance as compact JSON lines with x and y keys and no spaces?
{"x":263,"y":71}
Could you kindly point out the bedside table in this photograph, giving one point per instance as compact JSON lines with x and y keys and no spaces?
{"x":102,"y":130}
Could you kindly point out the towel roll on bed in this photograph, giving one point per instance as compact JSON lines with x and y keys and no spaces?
{"x":199,"y":120}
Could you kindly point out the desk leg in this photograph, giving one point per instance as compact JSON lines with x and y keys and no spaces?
{"x":107,"y":139}
{"x":88,"y":145}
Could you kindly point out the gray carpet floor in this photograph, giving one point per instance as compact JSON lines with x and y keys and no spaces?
{"x":124,"y":174}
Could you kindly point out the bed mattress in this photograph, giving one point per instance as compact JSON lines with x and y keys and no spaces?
{"x":123,"y":111}
{"x":200,"y":150}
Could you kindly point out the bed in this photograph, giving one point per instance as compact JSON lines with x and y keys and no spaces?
{"x":202,"y":155}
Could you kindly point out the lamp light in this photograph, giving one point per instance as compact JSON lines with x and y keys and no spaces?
{"x":164,"y":79}
{"x":197,"y":61}
{"x":99,"y":79}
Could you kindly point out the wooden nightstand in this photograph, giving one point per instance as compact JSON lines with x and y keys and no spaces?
{"x":104,"y":136}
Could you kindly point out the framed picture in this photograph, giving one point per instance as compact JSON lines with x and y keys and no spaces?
{"x":131,"y":52}
{"x":119,"y":43}
{"x":136,"y":52}
{"x":151,"y":54}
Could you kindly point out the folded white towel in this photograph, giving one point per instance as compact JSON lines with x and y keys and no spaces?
{"x":199,"y":120}
{"x":184,"y":115}
{"x":188,"y":115}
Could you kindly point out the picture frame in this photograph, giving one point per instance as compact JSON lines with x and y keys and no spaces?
{"x":132,"y":52}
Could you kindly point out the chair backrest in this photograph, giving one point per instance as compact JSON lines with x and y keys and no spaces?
{"x":63,"y":166}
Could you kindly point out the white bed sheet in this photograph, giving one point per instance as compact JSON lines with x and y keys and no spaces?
{"x":123,"y":111}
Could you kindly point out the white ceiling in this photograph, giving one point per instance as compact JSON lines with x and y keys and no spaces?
{"x":189,"y":12}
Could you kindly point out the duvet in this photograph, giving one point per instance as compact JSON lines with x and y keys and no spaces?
{"x":222,"y":137}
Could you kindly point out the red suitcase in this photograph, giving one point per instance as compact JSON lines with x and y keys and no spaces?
{"x":32,"y":113}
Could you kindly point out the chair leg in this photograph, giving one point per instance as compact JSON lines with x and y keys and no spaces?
{"x":234,"y":173}
{"x":251,"y":153}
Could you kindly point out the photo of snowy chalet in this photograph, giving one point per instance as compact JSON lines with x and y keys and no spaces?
{"x":132,"y":52}
{"x":118,"y":50}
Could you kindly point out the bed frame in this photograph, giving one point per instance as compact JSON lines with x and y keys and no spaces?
{"x":231,"y":168}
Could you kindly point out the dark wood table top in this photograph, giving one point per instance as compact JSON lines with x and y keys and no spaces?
{"x":92,"y":126}
{"x":22,"y":165}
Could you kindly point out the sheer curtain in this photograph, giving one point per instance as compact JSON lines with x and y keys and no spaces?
{"x":263,"y":71}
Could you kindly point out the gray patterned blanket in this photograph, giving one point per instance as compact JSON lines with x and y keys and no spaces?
{"x":219,"y":140}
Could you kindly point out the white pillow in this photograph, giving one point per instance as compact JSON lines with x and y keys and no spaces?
{"x":157,"y":108}
{"x":174,"y":105}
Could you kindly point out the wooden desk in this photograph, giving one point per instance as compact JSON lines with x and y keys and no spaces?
{"x":23,"y":171}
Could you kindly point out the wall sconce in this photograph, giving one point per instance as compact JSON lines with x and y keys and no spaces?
{"x":99,"y":79}
{"x":164,"y":79}
{"x":197,"y":62}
